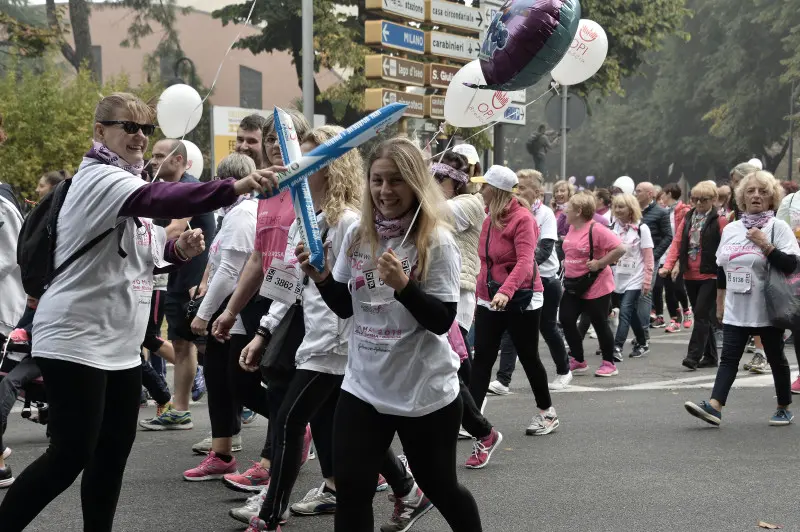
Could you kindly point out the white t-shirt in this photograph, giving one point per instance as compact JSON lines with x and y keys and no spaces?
{"x":394,"y":363}
{"x":235,"y":240}
{"x":629,"y":271}
{"x":95,"y":313}
{"x":745,"y":269}
{"x":548,"y":229}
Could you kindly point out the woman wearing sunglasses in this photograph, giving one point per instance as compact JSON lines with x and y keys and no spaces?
{"x":91,"y":320}
{"x":693,"y":255}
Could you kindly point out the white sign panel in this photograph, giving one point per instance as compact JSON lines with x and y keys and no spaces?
{"x":518,"y":96}
{"x":513,"y":114}
{"x":225,"y":124}
{"x":453,"y":46}
{"x":456,"y":15}
{"x":413,"y":9}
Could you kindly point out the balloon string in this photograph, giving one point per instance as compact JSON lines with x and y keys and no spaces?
{"x":213,"y":84}
{"x":490,"y":126}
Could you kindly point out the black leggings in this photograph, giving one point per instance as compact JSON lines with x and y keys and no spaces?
{"x":472,"y":419}
{"x":311,"y":395}
{"x":154,"y":383}
{"x":675,"y":293}
{"x":361,"y":437}
{"x":92,"y":426}
{"x":524,"y":330}
{"x":597,"y":309}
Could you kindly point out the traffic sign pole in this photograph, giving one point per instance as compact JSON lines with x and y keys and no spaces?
{"x":308,"y":60}
{"x":564,"y":98}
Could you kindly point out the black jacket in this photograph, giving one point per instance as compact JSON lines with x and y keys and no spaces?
{"x":657,"y":220}
{"x":710,"y":237}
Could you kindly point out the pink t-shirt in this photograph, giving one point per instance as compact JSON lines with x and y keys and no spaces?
{"x":576,"y":255}
{"x":275,"y":216}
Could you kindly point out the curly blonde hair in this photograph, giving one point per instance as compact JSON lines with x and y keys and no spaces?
{"x":343,"y":177}
{"x":762,"y":177}
{"x":629,"y":201}
{"x":432,"y":213}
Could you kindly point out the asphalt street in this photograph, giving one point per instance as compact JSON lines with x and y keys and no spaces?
{"x":627,"y":457}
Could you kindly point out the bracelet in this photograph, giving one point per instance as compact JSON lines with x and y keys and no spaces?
{"x":179,"y":252}
{"x":262,"y":332}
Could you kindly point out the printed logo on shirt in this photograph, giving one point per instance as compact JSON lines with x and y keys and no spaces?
{"x":378,"y":333}
{"x":143,"y":236}
{"x":739,"y":250}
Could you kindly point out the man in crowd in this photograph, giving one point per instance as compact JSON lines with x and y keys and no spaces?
{"x":169,"y":164}
{"x":657,"y":220}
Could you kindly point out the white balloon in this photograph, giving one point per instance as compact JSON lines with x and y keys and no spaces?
{"x":194,"y":159}
{"x":757,"y":163}
{"x":468,"y":107}
{"x":179,"y":110}
{"x":585,"y":55}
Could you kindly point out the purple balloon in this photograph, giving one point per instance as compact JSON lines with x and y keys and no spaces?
{"x":589,"y":179}
{"x":526,"y":40}
{"x":572,"y":180}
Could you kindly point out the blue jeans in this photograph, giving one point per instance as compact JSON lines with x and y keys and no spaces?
{"x":646,"y":305}
{"x":629,"y":317}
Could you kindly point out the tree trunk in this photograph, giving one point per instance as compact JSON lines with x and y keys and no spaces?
{"x":774,"y":160}
{"x":79,"y":20}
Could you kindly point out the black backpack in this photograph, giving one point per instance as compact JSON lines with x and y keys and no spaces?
{"x":36,"y":246}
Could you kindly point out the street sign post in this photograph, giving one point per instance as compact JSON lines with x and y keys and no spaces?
{"x":434,"y":106}
{"x":454,"y":15}
{"x":403,"y":71}
{"x":456,"y":47}
{"x":376,"y":98}
{"x":439,"y":75}
{"x":397,"y":36}
{"x":413,"y":9}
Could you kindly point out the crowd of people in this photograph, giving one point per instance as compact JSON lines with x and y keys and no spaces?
{"x":433,"y":268}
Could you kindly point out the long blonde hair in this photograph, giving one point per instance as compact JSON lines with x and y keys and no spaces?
{"x":500,"y":203}
{"x":411,"y":164}
{"x":343,"y":177}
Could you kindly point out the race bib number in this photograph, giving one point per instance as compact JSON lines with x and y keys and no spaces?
{"x":375,"y":283}
{"x":739,"y":281}
{"x":626,"y":267}
{"x":282,"y":283}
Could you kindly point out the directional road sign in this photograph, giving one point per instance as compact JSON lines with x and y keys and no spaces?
{"x":376,"y":98}
{"x":395,"y":69}
{"x":454,"y":15}
{"x":413,"y":9}
{"x":434,"y":106}
{"x":453,"y":46}
{"x":439,"y":75}
{"x":398,"y":36}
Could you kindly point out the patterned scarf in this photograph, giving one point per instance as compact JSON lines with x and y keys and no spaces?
{"x":392,"y":228}
{"x":535,"y":207}
{"x":695,"y":230}
{"x":757,"y":220}
{"x":229,"y":208}
{"x":100,"y":152}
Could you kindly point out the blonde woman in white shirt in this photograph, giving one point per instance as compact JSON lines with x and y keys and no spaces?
{"x":751,"y":244}
{"x":633,"y":273}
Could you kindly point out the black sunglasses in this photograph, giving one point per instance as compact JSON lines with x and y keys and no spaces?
{"x":131,"y":128}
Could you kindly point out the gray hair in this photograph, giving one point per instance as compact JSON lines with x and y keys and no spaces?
{"x":743,"y":170}
{"x":236,"y":165}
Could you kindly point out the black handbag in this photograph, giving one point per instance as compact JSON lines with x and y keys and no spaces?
{"x":577,"y":286}
{"x":521,"y":298}
{"x":782,"y":295}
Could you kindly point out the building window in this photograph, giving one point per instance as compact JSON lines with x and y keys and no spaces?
{"x":97,"y":57}
{"x":249,"y":88}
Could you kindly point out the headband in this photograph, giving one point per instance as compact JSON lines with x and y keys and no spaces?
{"x":445,"y":170}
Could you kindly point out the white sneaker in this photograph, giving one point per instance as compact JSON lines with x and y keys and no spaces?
{"x":204,"y":445}
{"x":561,"y":382}
{"x":7,"y":452}
{"x":496,"y":388}
{"x":317,"y":501}
{"x":591,"y":332}
{"x":250,"y":508}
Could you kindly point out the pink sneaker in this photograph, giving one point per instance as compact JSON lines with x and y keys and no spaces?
{"x":19,"y":336}
{"x":577,"y":367}
{"x":482,"y":450}
{"x":382,"y":484}
{"x":211,"y":468}
{"x":252,"y":480}
{"x":607,"y":369}
{"x":688,"y":319}
{"x":257,"y":525}
{"x":306,"y":444}
{"x":673,"y":326}
{"x":796,"y":386}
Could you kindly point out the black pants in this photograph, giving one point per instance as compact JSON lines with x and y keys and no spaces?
{"x":734,"y":342}
{"x":796,"y":342}
{"x":597,"y":310}
{"x":472,"y":419}
{"x":585,"y":321}
{"x":360,"y":441}
{"x":22,"y":374}
{"x":675,"y":292}
{"x":154,"y":383}
{"x":524,"y":330}
{"x":549,"y":329}
{"x":92,"y":426}
{"x":310,"y":395}
{"x":703,"y":296}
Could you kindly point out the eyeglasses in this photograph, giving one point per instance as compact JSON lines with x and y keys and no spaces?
{"x":131,"y":128}
{"x":700,"y":200}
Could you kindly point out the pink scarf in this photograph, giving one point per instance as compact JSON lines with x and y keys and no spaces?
{"x":392,"y":228}
{"x":757,"y":220}
{"x":100,"y":152}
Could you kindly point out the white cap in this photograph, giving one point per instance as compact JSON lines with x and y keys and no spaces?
{"x":757,"y":163}
{"x":499,"y":177}
{"x":468,"y":151}
{"x":625,"y":184}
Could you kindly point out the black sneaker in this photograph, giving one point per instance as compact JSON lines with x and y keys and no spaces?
{"x":6,"y":478}
{"x":707,"y":363}
{"x":639,"y":350}
{"x":689,"y":363}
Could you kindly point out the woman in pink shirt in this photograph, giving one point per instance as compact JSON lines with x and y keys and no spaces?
{"x":510,"y":298}
{"x":693,"y":254}
{"x":588,"y":281}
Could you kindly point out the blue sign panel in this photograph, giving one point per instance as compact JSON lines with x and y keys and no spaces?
{"x":402,"y":37}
